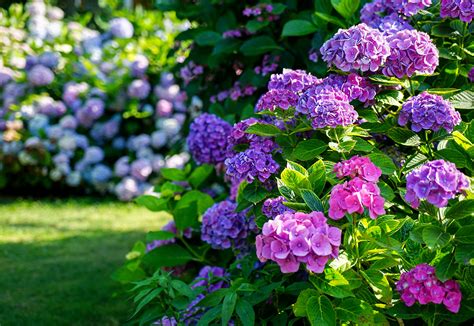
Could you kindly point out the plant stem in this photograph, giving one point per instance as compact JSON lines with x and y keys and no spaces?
{"x":191,"y":250}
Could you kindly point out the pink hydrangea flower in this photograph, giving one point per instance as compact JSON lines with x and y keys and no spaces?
{"x":358,"y":167}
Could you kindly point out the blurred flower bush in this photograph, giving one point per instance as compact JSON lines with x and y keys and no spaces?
{"x":335,"y":192}
{"x":86,"y":102}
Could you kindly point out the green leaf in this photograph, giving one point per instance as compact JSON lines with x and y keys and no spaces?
{"x":317,"y":176}
{"x":213,"y":298}
{"x":390,"y":98}
{"x":254,"y":26}
{"x":353,"y":309}
{"x":152,"y":203}
{"x":182,"y":288}
{"x":295,"y":180}
{"x":167,"y":256}
{"x":173,"y":174}
{"x":228,"y":307}
{"x":209,"y":316}
{"x":446,"y":268}
{"x":452,"y":155}
{"x":299,"y":308}
{"x":379,"y":284}
{"x":263,"y":129}
{"x":147,"y":299}
{"x":308,"y":149}
{"x":298,"y":27}
{"x":461,"y":209}
{"x":384,"y":162}
{"x":312,"y":200}
{"x":330,"y":19}
{"x":386,"y":81}
{"x":254,"y":192}
{"x":465,"y":235}
{"x":434,"y":236}
{"x":320,"y":311}
{"x":386,"y":191}
{"x":346,"y":8}
{"x":404,"y":136}
{"x":442,"y":91}
{"x":207,"y":38}
{"x":245,"y":312}
{"x":259,"y":45}
{"x":159,"y":235}
{"x":200,"y":174}
{"x":296,"y":167}
{"x":464,"y":253}
{"x":463,"y":100}
{"x":225,"y":46}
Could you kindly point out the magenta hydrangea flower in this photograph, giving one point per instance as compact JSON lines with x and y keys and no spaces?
{"x":421,"y":284}
{"x":296,"y":81}
{"x":462,"y":9}
{"x":250,"y":165}
{"x":358,"y":48}
{"x":411,"y":52}
{"x":170,"y":227}
{"x":294,"y":238}
{"x":353,"y":196}
{"x":223,"y":227}
{"x":277,"y":99}
{"x":274,"y":206}
{"x":430,"y":112}
{"x":354,"y":86}
{"x":412,"y":7}
{"x":357,"y":166}
{"x":208,"y":139}
{"x":326,"y":106}
{"x":436,"y":182}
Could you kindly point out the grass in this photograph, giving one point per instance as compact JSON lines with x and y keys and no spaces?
{"x":56,"y":258}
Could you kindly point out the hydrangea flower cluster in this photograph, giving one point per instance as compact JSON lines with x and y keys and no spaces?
{"x":251,"y":165}
{"x":223,"y":227}
{"x":234,"y":93}
{"x":296,"y":81}
{"x":121,"y":28}
{"x":277,"y":98}
{"x":208,"y":139}
{"x":170,"y":227}
{"x":326,"y":106}
{"x":470,"y":75}
{"x":358,"y":166}
{"x":358,"y":193}
{"x":261,"y":11}
{"x":421,"y":285}
{"x":238,"y":136}
{"x":430,"y":112}
{"x":358,"y":48}
{"x":191,"y":71}
{"x":391,"y":24}
{"x":354,"y":86}
{"x":269,"y":65}
{"x":411,"y":52}
{"x":166,"y":321}
{"x":436,"y":182}
{"x":462,"y":9}
{"x":274,"y":206}
{"x":373,"y":12}
{"x":294,"y":238}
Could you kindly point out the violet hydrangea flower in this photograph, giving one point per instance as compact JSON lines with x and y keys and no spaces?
{"x":223,"y":227}
{"x":462,"y":9}
{"x":326,"y":106}
{"x":354,"y":86}
{"x":430,"y":112}
{"x":358,"y":48}
{"x":250,"y":165}
{"x":420,"y":284}
{"x":208,"y":139}
{"x":40,"y":75}
{"x":274,"y":206}
{"x":294,"y":238}
{"x":296,"y":81}
{"x":470,"y":75}
{"x":121,"y":28}
{"x":357,"y":166}
{"x":139,"y":89}
{"x":411,"y":52}
{"x":277,"y":98}
{"x":436,"y":182}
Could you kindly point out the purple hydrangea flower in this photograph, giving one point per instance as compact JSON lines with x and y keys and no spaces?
{"x":40,"y":75}
{"x":391,"y":24}
{"x":223,"y":227}
{"x":296,"y":81}
{"x":436,"y":182}
{"x":470,"y":75}
{"x":208,"y":139}
{"x":121,"y":28}
{"x":430,"y":112}
{"x":277,"y":98}
{"x":421,"y":284}
{"x":294,"y":238}
{"x":357,"y":48}
{"x":170,"y":227}
{"x":411,"y":52}
{"x":139,"y":89}
{"x":326,"y":106}
{"x":139,"y":66}
{"x":249,"y":165}
{"x":354,"y":86}
{"x":462,"y":9}
{"x":166,"y":321}
{"x":274,"y":206}
{"x":141,"y":169}
{"x":238,"y":136}
{"x":127,"y":189}
{"x":412,"y":7}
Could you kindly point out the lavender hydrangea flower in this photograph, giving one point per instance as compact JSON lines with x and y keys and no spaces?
{"x":412,"y":7}
{"x":296,"y":81}
{"x":436,"y":182}
{"x":391,"y":24}
{"x":462,"y":9}
{"x":238,"y":136}
{"x":357,"y":48}
{"x":470,"y":75}
{"x":121,"y":28}
{"x":249,"y":165}
{"x":166,"y":321}
{"x":430,"y":112}
{"x":326,"y":106}
{"x":100,"y":174}
{"x":208,"y":139}
{"x":223,"y":227}
{"x":139,"y":66}
{"x":411,"y":52}
{"x":354,"y":86}
{"x":127,"y":189}
{"x":141,"y":169}
{"x":277,"y":98}
{"x":139,"y":89}
{"x":274,"y":206}
{"x":40,"y":75}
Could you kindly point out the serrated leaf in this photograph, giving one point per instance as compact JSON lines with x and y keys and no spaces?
{"x":461,"y":209}
{"x":299,"y":308}
{"x":404,"y":136}
{"x":312,"y":200}
{"x":434,"y":237}
{"x":446,"y":268}
{"x":320,"y":311}
{"x":465,"y":235}
{"x":308,"y":149}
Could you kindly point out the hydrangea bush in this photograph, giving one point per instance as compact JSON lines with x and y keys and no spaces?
{"x":90,"y":109}
{"x":358,"y":179}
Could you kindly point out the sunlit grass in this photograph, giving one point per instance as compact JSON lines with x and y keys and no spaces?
{"x":56,"y":258}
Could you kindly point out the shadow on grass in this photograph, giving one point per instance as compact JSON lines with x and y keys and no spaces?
{"x":64,"y":282}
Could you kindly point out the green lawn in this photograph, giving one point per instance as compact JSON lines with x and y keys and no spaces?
{"x":56,"y":258}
